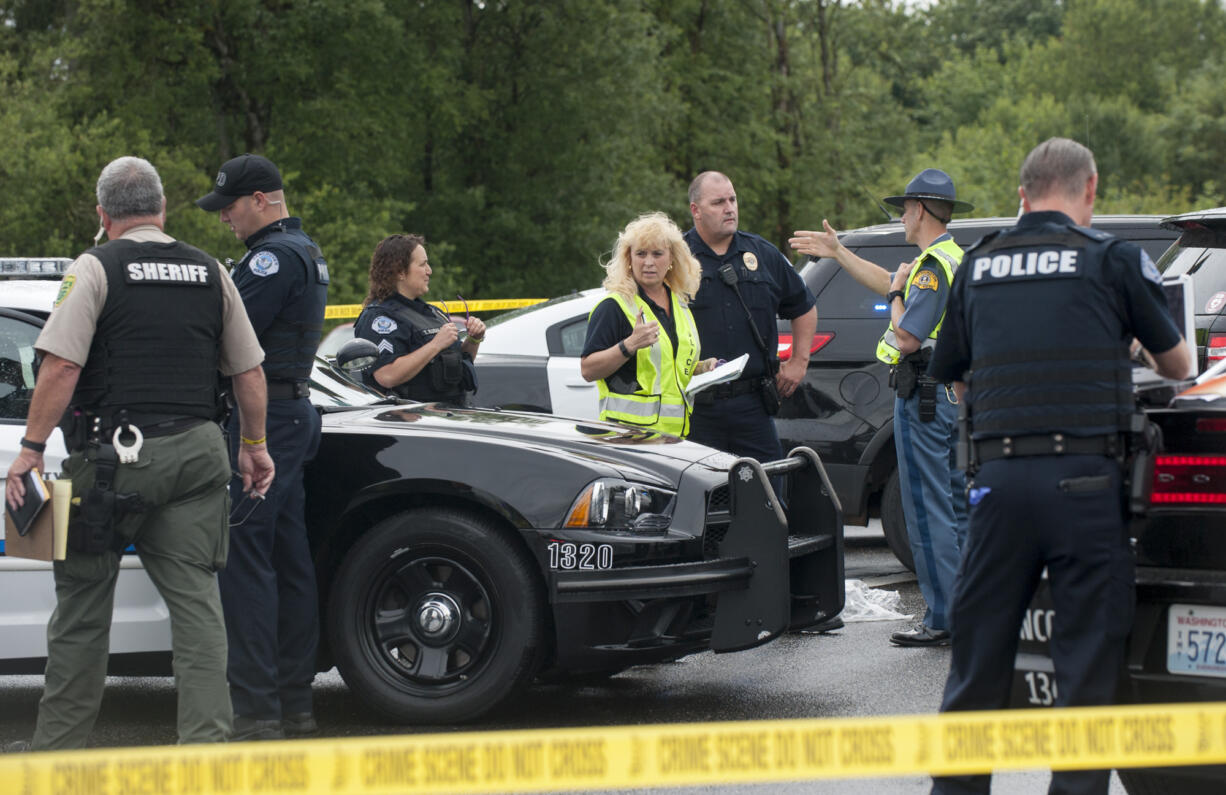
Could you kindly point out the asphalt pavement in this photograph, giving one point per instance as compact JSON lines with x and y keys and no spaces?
{"x":853,"y":671}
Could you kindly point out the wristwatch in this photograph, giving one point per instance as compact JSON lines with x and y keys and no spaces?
{"x":38,"y":447}
{"x":621,"y":346}
{"x":892,"y":294}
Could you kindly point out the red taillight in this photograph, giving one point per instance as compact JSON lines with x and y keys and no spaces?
{"x":1215,"y":349}
{"x":1211,"y":425}
{"x":819,"y":341}
{"x":1189,"y":480}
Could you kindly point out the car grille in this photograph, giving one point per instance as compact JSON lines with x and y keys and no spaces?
{"x":718,"y":520}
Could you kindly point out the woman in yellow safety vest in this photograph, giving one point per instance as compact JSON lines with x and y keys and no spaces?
{"x":641,"y":374}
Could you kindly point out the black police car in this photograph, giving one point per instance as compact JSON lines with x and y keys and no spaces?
{"x":463,"y":552}
{"x":844,"y":408}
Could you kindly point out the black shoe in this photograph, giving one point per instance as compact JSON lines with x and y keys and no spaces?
{"x":829,"y":625}
{"x":18,"y":747}
{"x":922,"y":635}
{"x":299,"y":724}
{"x":249,"y":729}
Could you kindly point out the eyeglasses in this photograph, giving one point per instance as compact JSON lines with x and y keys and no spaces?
{"x":467,"y":315}
{"x":245,"y":507}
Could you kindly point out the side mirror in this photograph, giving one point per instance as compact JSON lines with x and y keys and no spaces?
{"x":356,"y":356}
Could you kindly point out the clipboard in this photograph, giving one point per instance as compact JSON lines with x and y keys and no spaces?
{"x":47,"y":538}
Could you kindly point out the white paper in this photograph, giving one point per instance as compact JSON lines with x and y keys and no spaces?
{"x":728,"y":371}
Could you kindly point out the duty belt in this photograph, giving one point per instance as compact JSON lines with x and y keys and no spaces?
{"x":1045,"y":444}
{"x":733,"y":388}
{"x":288,"y":390}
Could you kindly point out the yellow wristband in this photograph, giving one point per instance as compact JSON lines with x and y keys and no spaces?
{"x":477,"y":340}
{"x":261,"y":440}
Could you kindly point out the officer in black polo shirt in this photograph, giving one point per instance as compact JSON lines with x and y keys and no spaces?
{"x":1037,"y":340}
{"x":268,"y":586}
{"x":736,"y":416}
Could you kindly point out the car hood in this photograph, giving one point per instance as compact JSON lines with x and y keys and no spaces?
{"x":632,"y":452}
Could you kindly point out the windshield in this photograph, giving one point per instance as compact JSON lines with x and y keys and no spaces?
{"x":1201,"y":254}
{"x":329,"y":387}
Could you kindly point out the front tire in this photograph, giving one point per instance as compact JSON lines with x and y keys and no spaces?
{"x":894,"y":523}
{"x":436,"y":617}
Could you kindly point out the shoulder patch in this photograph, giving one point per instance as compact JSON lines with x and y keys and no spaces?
{"x":66,"y":286}
{"x":1093,"y":234}
{"x":265,"y":263}
{"x":1149,"y":270}
{"x":926,"y":280}
{"x":383,"y":325}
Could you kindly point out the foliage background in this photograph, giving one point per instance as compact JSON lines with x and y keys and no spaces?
{"x":519,"y":136}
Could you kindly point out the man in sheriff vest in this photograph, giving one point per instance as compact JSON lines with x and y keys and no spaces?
{"x":925,"y":414}
{"x":143,"y":329}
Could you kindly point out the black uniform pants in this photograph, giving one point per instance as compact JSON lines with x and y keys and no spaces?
{"x":1065,"y":513}
{"x":268,"y":585}
{"x":737,"y":425}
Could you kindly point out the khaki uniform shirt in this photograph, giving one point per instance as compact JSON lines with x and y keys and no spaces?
{"x":70,"y":329}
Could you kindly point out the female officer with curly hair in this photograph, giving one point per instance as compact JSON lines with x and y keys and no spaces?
{"x":421,"y":356}
{"x":641,"y":373}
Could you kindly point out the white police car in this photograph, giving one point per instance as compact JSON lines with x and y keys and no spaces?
{"x":140,"y":634}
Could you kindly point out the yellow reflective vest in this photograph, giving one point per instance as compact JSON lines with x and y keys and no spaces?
{"x":949,"y":254}
{"x":662,"y":374}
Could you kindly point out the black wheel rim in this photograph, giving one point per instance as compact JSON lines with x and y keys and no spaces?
{"x":429,"y":622}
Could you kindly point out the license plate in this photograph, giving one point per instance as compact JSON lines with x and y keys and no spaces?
{"x":1196,"y":640}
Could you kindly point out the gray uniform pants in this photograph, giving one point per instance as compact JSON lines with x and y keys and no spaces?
{"x":182,"y":542}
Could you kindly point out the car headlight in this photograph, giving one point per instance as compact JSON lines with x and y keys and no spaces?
{"x":613,"y":504}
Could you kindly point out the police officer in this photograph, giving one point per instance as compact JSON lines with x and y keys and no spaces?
{"x":641,"y":373}
{"x":933,"y":489}
{"x":743,"y":277}
{"x":142,"y":330}
{"x":421,"y":356}
{"x":1037,"y":337}
{"x":268,"y":586}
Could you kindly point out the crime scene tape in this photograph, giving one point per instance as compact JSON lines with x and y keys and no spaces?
{"x":345,"y":311}
{"x":662,"y":755}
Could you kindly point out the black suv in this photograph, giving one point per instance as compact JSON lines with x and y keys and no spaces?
{"x":1200,"y":253}
{"x":845,"y":408}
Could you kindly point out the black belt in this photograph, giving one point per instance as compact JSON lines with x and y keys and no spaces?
{"x":288,"y":390}
{"x":1045,"y":444}
{"x":733,"y":388}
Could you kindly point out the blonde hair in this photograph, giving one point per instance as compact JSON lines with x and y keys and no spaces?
{"x":650,"y":229}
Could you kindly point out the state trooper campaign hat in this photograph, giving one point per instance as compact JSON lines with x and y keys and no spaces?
{"x":931,"y":183}
{"x":241,"y":176}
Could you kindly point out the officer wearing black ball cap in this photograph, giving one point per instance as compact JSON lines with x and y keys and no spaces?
{"x":268,"y":586}
{"x":1037,"y":336}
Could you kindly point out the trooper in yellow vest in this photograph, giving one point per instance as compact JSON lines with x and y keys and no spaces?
{"x":925,"y":416}
{"x":640,"y":372}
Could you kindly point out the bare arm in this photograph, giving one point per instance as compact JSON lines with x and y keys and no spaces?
{"x":793,"y":370}
{"x":603,"y":364}
{"x":908,"y":343}
{"x":406,"y":367}
{"x":254,"y":463}
{"x":1175,"y":363}
{"x":57,"y":379}
{"x":826,"y":244}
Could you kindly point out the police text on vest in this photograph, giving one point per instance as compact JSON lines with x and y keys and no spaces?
{"x":178,"y":272}
{"x":1033,"y":264}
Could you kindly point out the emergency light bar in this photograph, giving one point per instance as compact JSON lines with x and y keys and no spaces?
{"x":34,"y":266}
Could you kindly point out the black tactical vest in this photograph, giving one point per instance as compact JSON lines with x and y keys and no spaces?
{"x":291,"y":339}
{"x":156,"y":348}
{"x":445,"y":377}
{"x":1049,"y":336}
